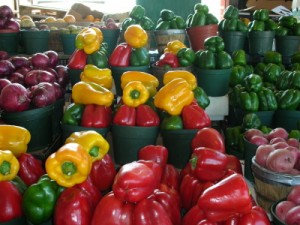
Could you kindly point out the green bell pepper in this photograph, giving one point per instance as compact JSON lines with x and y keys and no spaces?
{"x":295,"y":57}
{"x":267,"y":100}
{"x":251,"y":121}
{"x":296,"y":29}
{"x":73,"y":114}
{"x":198,"y":7}
{"x":201,"y":97}
{"x":249,"y":69}
{"x":265,"y":129}
{"x":177,"y":23}
{"x":98,"y":59}
{"x":104,"y":48}
{"x":261,"y":15}
{"x":234,"y":95}
{"x":281,"y":31}
{"x":249,"y":101}
{"x":239,"y":57}
{"x":171,"y":123}
{"x":147,"y":24}
{"x":231,"y":12}
{"x":241,"y":26}
{"x":39,"y":200}
{"x":289,"y":99}
{"x":229,"y":24}
{"x":271,"y":73}
{"x":256,"y":25}
{"x":294,"y":80}
{"x":205,"y":59}
{"x":211,"y":19}
{"x":233,"y":136}
{"x":283,"y":81}
{"x":139,"y":57}
{"x":294,"y":134}
{"x":167,"y":15}
{"x":186,"y":56}
{"x":295,"y":66}
{"x":253,"y":82}
{"x":223,"y":60}
{"x":127,"y":22}
{"x":272,"y":57}
{"x":189,"y":20}
{"x":270,"y":25}
{"x":137,"y":12}
{"x":260,"y":68}
{"x":287,"y":21}
{"x":214,"y":44}
{"x":163,"y":25}
{"x":198,"y":19}
{"x":237,"y":75}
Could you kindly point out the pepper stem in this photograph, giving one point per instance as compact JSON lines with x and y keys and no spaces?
{"x":193,"y":162}
{"x":94,"y":151}
{"x":5,"y":168}
{"x":135,"y":94}
{"x":68,"y":168}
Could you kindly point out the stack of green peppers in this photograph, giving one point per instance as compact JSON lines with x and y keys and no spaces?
{"x":287,"y":26}
{"x":262,"y":21}
{"x":201,"y":16}
{"x":168,"y":20}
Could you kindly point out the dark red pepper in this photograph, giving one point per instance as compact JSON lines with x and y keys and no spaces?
{"x":170,"y":177}
{"x":195,"y":117}
{"x":156,"y":169}
{"x":234,"y":164}
{"x":77,"y":60}
{"x":156,"y":153}
{"x":257,"y":215}
{"x":168,"y":59}
{"x":146,"y":116}
{"x":193,"y":216}
{"x":125,"y":116}
{"x":97,"y":116}
{"x":120,"y":55}
{"x":31,"y":168}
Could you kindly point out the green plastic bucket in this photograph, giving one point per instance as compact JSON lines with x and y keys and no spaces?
{"x":67,"y":130}
{"x":287,"y":45}
{"x":9,"y":42}
{"x":249,"y":152}
{"x":266,"y":117}
{"x":37,"y":121}
{"x":214,"y":82}
{"x":110,"y":36}
{"x":128,"y":140}
{"x":117,"y":72}
{"x":68,"y":43}
{"x":74,"y":75}
{"x":233,"y":40}
{"x":287,"y":119}
{"x":178,"y":143}
{"x":57,"y":115}
{"x":17,"y":221}
{"x":35,"y":41}
{"x":260,"y":42}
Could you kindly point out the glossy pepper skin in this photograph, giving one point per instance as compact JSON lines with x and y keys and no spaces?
{"x":69,"y":165}
{"x":231,"y":12}
{"x":146,"y":116}
{"x":271,"y":73}
{"x":173,"y":96}
{"x":214,"y":44}
{"x":89,"y":39}
{"x":237,"y":75}
{"x":167,"y":59}
{"x":120,"y":55}
{"x":186,"y":75}
{"x":267,"y":100}
{"x":73,"y":114}
{"x":172,"y":123}
{"x":201,"y":97}
{"x":194,"y":117}
{"x":157,"y":153}
{"x":289,"y":99}
{"x":272,"y":57}
{"x":14,"y":138}
{"x":77,"y":60}
{"x":249,"y":101}
{"x":223,"y":60}
{"x":135,"y":93}
{"x":137,"y":12}
{"x":174,"y":46}
{"x":136,"y":36}
{"x":139,"y":57}
{"x":91,"y":93}
{"x":92,"y":142}
{"x":125,"y":116}
{"x":31,"y":168}
{"x":98,"y":58}
{"x":239,"y":57}
{"x":205,"y":59}
{"x":147,"y":24}
{"x":39,"y":200}
{"x":97,"y":116}
{"x":92,"y":73}
{"x":253,"y":82}
{"x":186,"y":56}
{"x":261,"y":14}
{"x":234,"y":139}
{"x":251,"y":120}
{"x":9,"y":165}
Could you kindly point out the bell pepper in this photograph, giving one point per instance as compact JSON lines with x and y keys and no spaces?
{"x":31,"y":168}
{"x":92,"y":73}
{"x":249,"y":101}
{"x":208,"y":164}
{"x":174,"y":46}
{"x":271,"y":73}
{"x":261,"y":14}
{"x":250,"y":120}
{"x":234,"y":138}
{"x":120,"y":55}
{"x":237,"y":75}
{"x":205,"y":60}
{"x":289,"y":99}
{"x":11,"y":202}
{"x":194,"y":117}
{"x":39,"y":200}
{"x":9,"y":165}
{"x":147,"y":24}
{"x":156,"y":153}
{"x":186,"y":75}
{"x":198,"y":7}
{"x":168,"y":59}
{"x":69,"y":165}
{"x":89,"y":39}
{"x":92,"y":142}
{"x":226,"y":198}
{"x":272,"y":57}
{"x":214,"y":44}
{"x":73,"y":114}
{"x":98,"y":58}
{"x":156,"y":170}
{"x":198,"y":18}
{"x":173,"y":96}
{"x":163,"y":25}
{"x":294,"y":80}
{"x":259,"y":68}
{"x":103,"y":173}
{"x":135,"y":93}
{"x":146,"y":116}
{"x":223,"y":60}
{"x":267,"y":100}
{"x":177,"y":23}
{"x":14,"y":138}
{"x":231,"y":12}
{"x":137,"y":12}
{"x":91,"y":93}
{"x":127,"y":22}
{"x":150,"y":81}
{"x":201,"y":97}
{"x":241,"y":26}
{"x":139,"y":57}
{"x":256,"y":25}
{"x":171,"y":178}
{"x":281,"y":31}
{"x":166,"y":14}
{"x":97,"y":116}
{"x":193,"y":216}
{"x":271,"y":25}
{"x":186,"y":57}
{"x":77,"y":59}
{"x":135,"y":36}
{"x":253,"y":82}
{"x":125,"y":116}
{"x":229,"y":24}
{"x":287,"y":21}
{"x":239,"y":57}
{"x":172,"y":123}
{"x":234,"y":95}
{"x":296,"y":29}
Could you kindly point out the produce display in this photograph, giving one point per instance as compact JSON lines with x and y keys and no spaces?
{"x":168,"y":20}
{"x":8,"y":22}
{"x":201,"y":16}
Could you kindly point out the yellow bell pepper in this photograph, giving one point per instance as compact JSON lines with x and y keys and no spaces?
{"x":173,"y":96}
{"x":99,"y":76}
{"x":188,"y":76}
{"x":9,"y":165}
{"x":14,"y":138}
{"x":69,"y":165}
{"x":150,"y":81}
{"x":93,"y":142}
{"x":91,"y":93}
{"x":135,"y":93}
{"x":174,"y":46}
{"x":89,"y":39}
{"x":136,"y":36}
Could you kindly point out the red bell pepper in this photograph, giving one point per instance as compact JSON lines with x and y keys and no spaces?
{"x":193,"y":216}
{"x":11,"y":201}
{"x":170,"y":177}
{"x":77,"y":60}
{"x":226,"y":198}
{"x":194,"y":117}
{"x":146,"y":116}
{"x":208,"y":164}
{"x":31,"y":168}
{"x":173,"y":192}
{"x":134,"y":181}
{"x":103,"y":173}
{"x":125,"y":116}
{"x":208,"y":137}
{"x":157,"y":153}
{"x":97,"y":116}
{"x":156,"y":169}
{"x":234,"y":164}
{"x":120,"y":55}
{"x":168,"y":59}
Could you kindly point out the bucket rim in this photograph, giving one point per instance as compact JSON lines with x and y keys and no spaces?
{"x":168,"y":31}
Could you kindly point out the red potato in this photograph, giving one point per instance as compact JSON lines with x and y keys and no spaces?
{"x":262,"y":153}
{"x":294,"y":195}
{"x":280,"y":145}
{"x":278,"y":132}
{"x":282,"y":208}
{"x":294,"y":150}
{"x":293,"y":142}
{"x":259,"y":140}
{"x":292,"y":217}
{"x":276,"y":140}
{"x":252,"y":132}
{"x":281,"y":161}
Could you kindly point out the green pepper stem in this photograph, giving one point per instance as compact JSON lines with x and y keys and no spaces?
{"x":5,"y":168}
{"x":94,"y":151}
{"x":68,"y":168}
{"x":135,"y":94}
